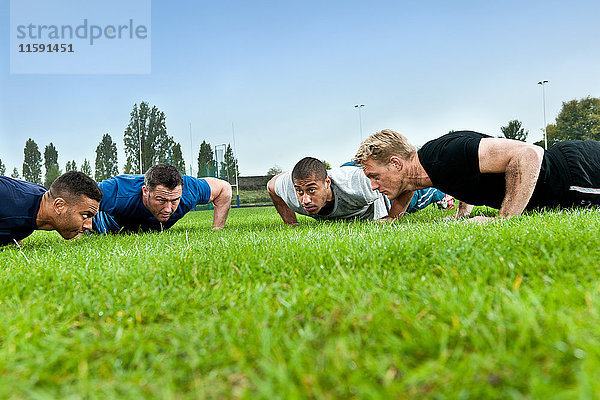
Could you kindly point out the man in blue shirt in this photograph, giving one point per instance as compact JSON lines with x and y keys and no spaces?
{"x":157,"y":200}
{"x":68,"y":207}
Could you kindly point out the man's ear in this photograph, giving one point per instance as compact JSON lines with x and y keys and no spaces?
{"x":59,"y":205}
{"x":327,"y":181}
{"x":144,"y":190}
{"x":396,"y":162}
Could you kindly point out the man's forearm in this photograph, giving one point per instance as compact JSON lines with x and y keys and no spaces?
{"x":521,"y":177}
{"x":400,"y":204}
{"x":221,"y":210}
{"x":286,"y":213}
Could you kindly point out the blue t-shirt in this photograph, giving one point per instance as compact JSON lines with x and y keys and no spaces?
{"x":20,"y":202}
{"x":122,"y":209}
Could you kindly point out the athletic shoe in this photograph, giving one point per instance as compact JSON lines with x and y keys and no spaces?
{"x":447,"y":203}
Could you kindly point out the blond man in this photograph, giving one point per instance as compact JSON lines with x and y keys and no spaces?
{"x":478,"y":169}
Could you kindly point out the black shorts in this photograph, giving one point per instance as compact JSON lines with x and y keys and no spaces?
{"x":575,"y":173}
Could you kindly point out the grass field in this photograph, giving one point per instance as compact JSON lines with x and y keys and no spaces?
{"x":418,"y":309}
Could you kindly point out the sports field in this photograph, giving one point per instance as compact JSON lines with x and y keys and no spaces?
{"x":417,"y":309}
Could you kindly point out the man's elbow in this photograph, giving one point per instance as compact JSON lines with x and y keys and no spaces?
{"x":227,"y":191}
{"x":534,"y":155}
{"x":271,"y":186}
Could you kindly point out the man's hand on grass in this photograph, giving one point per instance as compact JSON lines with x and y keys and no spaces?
{"x":481,"y":219}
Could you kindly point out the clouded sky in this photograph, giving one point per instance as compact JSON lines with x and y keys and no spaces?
{"x":288,"y":74}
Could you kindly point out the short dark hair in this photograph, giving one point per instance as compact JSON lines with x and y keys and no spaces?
{"x":163,"y":174}
{"x":309,"y":167}
{"x":74,"y":184}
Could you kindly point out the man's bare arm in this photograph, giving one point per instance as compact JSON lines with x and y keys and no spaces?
{"x":521,"y":163}
{"x":288,"y":216}
{"x":220,"y":196}
{"x":400,"y":204}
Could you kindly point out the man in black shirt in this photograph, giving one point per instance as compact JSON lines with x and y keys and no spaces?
{"x":68,"y":207}
{"x":481,"y":170}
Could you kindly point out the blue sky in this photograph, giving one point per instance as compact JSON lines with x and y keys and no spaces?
{"x":288,"y":75}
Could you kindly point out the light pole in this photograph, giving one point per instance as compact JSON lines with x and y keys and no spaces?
{"x":543,"y":83}
{"x":359,"y":106}
{"x":140,"y":142}
{"x":191,"y":152}
{"x":237,"y":186}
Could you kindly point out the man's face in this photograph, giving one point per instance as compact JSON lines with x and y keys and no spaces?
{"x":75,"y":216}
{"x":313,"y":193}
{"x":385,"y":178}
{"x":162,"y":202}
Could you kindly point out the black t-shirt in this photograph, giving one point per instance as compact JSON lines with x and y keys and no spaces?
{"x":20,"y":202}
{"x":452,"y":163}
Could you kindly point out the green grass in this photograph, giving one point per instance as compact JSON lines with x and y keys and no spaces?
{"x":418,"y":309}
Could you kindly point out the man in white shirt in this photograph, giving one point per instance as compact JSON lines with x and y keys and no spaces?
{"x":340,"y":193}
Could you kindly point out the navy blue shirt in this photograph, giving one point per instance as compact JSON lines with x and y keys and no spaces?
{"x":122,"y":209}
{"x":20,"y":203}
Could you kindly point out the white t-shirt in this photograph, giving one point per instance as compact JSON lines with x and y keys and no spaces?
{"x":352,"y":195}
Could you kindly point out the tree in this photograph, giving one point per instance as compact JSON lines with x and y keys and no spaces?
{"x":206,"y":164}
{"x":86,"y":168}
{"x":177,"y":158}
{"x":147,"y":127}
{"x":50,"y":156}
{"x":32,"y":163}
{"x":51,"y":164}
{"x":2,"y":168}
{"x":274,"y":170}
{"x":229,"y":167}
{"x":327,"y":165}
{"x":577,"y":120}
{"x":106,"y":159}
{"x":128,"y":167}
{"x":15,"y":173}
{"x":51,"y":174}
{"x":514,"y":131}
{"x":70,"y":166}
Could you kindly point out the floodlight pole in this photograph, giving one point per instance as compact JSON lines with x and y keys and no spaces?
{"x":543,"y":84}
{"x":139,"y":141}
{"x":237,"y":186}
{"x":191,"y":152}
{"x":359,"y":106}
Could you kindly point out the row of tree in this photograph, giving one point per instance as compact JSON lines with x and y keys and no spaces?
{"x":577,"y":120}
{"x":32,"y":164}
{"x":146,"y":143}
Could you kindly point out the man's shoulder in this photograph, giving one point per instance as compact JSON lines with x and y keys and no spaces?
{"x":121,"y":193}
{"x":352,"y":183}
{"x":446,"y":145}
{"x":349,"y":177}
{"x":20,"y":199}
{"x":457,"y":136}
{"x":282,"y":179}
{"x":193,"y":182}
{"x":122,"y":185}
{"x":124,"y":181}
{"x":195,"y":191}
{"x":20,"y":186}
{"x":15,"y":193}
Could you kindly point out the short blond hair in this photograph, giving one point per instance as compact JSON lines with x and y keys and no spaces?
{"x":382,"y":145}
